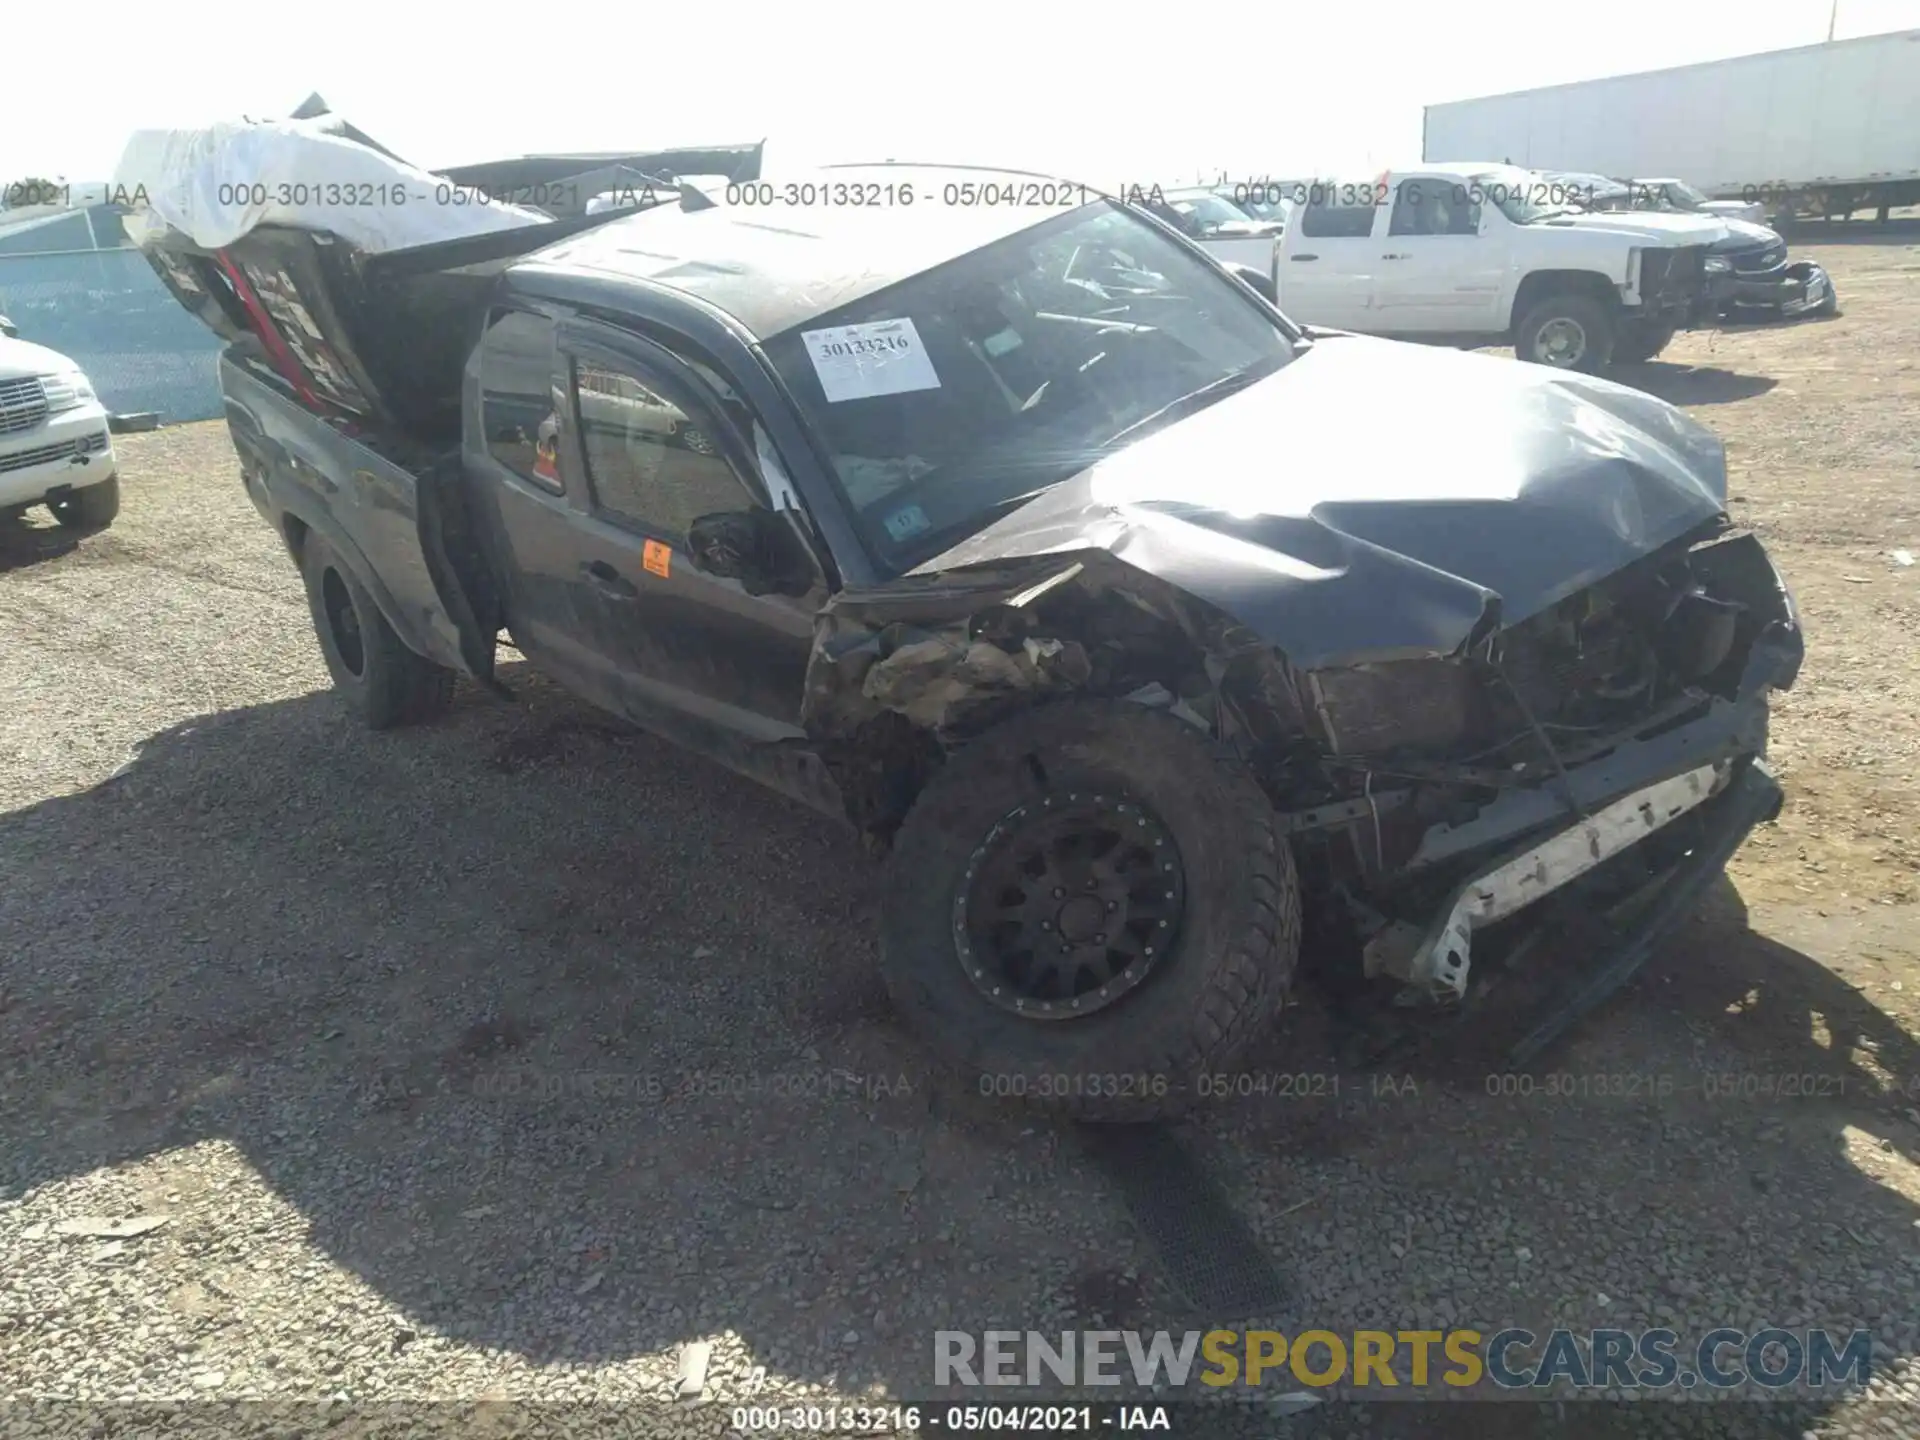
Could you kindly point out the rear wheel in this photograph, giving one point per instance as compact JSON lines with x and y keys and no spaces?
{"x":92,"y":508}
{"x":1640,"y":341}
{"x":1089,"y":909}
{"x":385,"y":683}
{"x":1568,"y":331}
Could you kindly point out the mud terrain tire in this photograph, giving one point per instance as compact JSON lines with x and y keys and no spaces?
{"x":1196,"y":1007}
{"x":384,"y":682}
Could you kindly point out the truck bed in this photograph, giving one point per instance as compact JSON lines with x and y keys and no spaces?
{"x":378,"y":340}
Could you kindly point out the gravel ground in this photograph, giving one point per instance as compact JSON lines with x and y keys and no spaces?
{"x":509,"y":1058}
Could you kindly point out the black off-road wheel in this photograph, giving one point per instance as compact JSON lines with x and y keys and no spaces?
{"x":91,"y":508}
{"x":1089,"y":909}
{"x":1568,"y":331}
{"x":384,"y":682}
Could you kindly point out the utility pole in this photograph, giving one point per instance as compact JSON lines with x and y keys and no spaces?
{"x":1833,"y":14}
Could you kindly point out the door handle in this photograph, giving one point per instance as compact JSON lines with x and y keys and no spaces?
{"x":1391,"y":256}
{"x":607,"y":580}
{"x":1303,"y":257}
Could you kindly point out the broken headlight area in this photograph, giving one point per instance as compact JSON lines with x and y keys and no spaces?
{"x":1448,"y":794}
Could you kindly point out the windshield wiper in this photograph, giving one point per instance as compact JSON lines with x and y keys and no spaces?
{"x":1194,"y":400}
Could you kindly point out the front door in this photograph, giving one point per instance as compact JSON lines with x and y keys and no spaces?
{"x":1329,"y":258}
{"x":657,"y":442}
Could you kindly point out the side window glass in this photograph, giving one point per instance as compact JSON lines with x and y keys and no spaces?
{"x":651,"y":463}
{"x":1411,"y":215}
{"x":516,"y":397}
{"x":1434,"y":207}
{"x":1337,"y":222}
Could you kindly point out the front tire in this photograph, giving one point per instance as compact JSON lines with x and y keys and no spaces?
{"x":1640,"y":342}
{"x":92,"y":508}
{"x":384,"y":682}
{"x":1568,"y":331}
{"x":1090,"y":908}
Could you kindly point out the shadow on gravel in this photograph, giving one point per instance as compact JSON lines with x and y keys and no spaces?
{"x":563,"y":1041}
{"x":569,"y":1045}
{"x":22,"y":544}
{"x":1692,"y":384}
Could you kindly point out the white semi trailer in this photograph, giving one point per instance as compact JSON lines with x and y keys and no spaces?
{"x":1820,"y":129}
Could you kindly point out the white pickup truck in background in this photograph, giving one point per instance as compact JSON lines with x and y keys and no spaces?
{"x":1489,"y":254}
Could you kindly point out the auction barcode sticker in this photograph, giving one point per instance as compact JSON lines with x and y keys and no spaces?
{"x":881,"y":357}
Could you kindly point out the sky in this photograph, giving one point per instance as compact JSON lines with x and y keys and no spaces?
{"x":1114,"y":94}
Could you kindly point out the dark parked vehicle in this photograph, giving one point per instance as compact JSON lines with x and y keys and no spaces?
{"x":1161,"y":642}
{"x":1750,"y":276}
{"x":1762,"y":284}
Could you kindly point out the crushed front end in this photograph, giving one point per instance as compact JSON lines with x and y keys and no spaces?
{"x":1674,"y":285}
{"x":1605,"y":755}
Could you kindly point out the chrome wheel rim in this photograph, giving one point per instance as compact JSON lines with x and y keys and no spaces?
{"x":1562,"y":341}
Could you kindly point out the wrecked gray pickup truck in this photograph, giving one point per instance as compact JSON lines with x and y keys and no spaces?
{"x":1156,"y":638}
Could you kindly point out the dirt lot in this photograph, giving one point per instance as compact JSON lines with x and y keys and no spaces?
{"x":507,"y":1057}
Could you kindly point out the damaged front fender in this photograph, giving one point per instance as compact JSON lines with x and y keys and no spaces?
{"x":909,"y":647}
{"x":951,"y":651}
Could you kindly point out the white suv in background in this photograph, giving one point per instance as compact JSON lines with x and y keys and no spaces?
{"x":54,"y":445}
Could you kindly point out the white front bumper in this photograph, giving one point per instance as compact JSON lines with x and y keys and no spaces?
{"x":71,"y":450}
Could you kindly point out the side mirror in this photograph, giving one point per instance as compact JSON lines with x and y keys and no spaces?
{"x":755,"y":547}
{"x":1260,"y":282}
{"x":8,"y":328}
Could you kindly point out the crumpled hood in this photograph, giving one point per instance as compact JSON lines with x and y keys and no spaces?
{"x":1373,"y":500}
{"x":1649,"y":226}
{"x":1743,"y":233}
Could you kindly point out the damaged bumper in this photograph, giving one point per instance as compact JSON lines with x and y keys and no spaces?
{"x":1437,"y":964}
{"x":1802,"y":288}
{"x":1752,"y":798}
{"x":1541,"y":840}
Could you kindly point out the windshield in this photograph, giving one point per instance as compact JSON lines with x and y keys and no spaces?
{"x":949,"y":395}
{"x":1207,"y":213}
{"x":1684,"y":195}
{"x":1523,"y":197}
{"x":1262,"y":207}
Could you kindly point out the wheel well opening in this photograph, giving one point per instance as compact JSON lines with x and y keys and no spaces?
{"x":294,"y":533}
{"x":891,"y":701}
{"x":1545,"y":284}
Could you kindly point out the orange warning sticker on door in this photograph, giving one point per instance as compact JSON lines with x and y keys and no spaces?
{"x":657,"y":558}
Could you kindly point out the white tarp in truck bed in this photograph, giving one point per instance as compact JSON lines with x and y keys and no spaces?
{"x":215,"y":184}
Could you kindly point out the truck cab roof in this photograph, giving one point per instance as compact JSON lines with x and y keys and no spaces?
{"x":790,"y":249}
